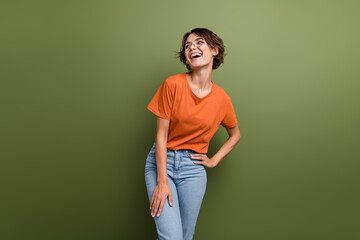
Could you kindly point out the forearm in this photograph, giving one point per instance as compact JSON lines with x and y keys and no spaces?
{"x":226,"y":148}
{"x":161,"y":159}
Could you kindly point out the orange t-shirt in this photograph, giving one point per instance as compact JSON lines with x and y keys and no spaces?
{"x":193,"y":120}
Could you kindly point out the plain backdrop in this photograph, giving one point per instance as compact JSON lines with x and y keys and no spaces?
{"x":76,"y":77}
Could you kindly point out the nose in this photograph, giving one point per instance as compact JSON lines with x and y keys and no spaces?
{"x":193,"y":45}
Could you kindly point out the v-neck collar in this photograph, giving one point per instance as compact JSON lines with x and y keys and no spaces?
{"x":192,"y":93}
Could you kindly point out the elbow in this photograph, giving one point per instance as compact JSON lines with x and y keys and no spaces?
{"x":234,"y":134}
{"x":238,"y":138}
{"x":161,"y":138}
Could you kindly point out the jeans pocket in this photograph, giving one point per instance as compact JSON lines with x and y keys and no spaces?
{"x":152,"y":151}
{"x":193,"y":160}
{"x":151,"y":159}
{"x":151,"y":154}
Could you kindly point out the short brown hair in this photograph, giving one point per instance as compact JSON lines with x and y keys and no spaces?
{"x":212,"y":39}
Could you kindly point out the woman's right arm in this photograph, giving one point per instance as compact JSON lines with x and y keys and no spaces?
{"x":162,"y":130}
{"x":162,"y":190}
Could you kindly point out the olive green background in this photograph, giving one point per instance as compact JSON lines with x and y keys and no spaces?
{"x":76,"y":77}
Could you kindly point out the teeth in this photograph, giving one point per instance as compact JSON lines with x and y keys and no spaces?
{"x":196,"y":54}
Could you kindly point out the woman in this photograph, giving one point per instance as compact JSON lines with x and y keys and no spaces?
{"x":189,"y":108}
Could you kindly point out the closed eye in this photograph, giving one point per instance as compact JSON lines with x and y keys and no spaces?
{"x":199,"y":41}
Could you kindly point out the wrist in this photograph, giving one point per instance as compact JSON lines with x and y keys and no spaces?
{"x":162,"y":181}
{"x":215,"y":160}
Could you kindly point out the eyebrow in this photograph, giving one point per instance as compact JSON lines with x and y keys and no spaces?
{"x":194,"y":40}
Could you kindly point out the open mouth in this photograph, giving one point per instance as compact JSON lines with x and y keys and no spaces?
{"x":195,"y":56}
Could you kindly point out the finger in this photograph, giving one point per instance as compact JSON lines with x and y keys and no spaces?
{"x":152,"y":201}
{"x":153,"y":206}
{"x":161,"y":208}
{"x":156,"y":208}
{"x":170,"y":200}
{"x":195,"y":155}
{"x":153,"y":198}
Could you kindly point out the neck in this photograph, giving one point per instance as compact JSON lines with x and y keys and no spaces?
{"x":201,"y":78}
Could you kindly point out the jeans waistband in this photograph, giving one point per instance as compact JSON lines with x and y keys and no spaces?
{"x":184,"y":151}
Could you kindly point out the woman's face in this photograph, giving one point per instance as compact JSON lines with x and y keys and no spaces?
{"x":205,"y":54}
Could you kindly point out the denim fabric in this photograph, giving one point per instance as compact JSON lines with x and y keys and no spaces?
{"x":187,"y":182}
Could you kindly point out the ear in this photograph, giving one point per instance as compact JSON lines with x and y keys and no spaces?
{"x":216,"y":51}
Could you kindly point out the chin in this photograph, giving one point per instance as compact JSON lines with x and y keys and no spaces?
{"x":199,"y":65}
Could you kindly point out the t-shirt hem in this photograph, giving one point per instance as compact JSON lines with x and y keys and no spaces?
{"x":188,"y":148}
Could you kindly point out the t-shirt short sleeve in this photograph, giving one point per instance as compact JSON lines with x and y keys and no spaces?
{"x":162,"y":102}
{"x":229,"y":119}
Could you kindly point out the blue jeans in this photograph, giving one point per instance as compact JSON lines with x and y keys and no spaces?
{"x":187,"y":182}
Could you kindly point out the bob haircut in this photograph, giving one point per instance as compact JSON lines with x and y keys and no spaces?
{"x":211,"y":39}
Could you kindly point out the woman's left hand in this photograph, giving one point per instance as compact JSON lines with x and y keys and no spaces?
{"x":207,"y":162}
